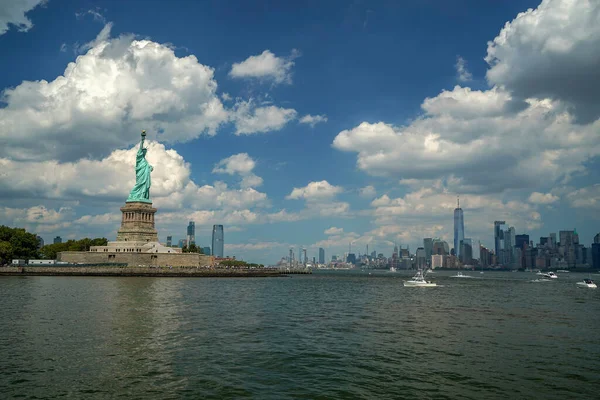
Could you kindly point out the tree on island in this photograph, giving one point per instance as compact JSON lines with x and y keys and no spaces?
{"x":192,"y":248}
{"x":17,"y":243}
{"x":51,"y":250}
{"x":239,"y":264}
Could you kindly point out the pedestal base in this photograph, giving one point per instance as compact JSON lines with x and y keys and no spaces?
{"x":137,"y":224}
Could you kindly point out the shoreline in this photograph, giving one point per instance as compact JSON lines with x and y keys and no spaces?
{"x":188,"y":272}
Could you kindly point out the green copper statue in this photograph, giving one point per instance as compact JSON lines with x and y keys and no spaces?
{"x":141,"y":190}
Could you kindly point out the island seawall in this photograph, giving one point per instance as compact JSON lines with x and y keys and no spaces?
{"x":139,"y":271}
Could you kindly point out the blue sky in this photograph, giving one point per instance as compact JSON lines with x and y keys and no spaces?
{"x":302,"y":123}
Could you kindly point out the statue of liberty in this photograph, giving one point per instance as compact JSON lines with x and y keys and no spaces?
{"x":141,"y":190}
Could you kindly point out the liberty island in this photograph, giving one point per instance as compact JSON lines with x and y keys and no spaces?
{"x":137,"y":250}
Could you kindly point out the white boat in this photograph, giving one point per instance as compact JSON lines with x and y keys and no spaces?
{"x":587,"y":283}
{"x":392,"y":269}
{"x":539,"y":272}
{"x":419,"y":281}
{"x":550,"y":275}
{"x":460,"y":275}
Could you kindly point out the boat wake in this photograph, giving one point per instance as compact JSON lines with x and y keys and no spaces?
{"x":540,"y":280}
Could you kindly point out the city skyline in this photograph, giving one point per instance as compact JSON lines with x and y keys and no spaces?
{"x":288,"y":140}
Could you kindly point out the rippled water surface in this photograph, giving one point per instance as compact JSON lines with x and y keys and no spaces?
{"x":329,"y":335}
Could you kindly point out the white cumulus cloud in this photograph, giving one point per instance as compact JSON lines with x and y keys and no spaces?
{"x":241,"y":164}
{"x":12,"y":12}
{"x":105,"y":97}
{"x":313,"y":120}
{"x":543,"y":198}
{"x":249,"y":119}
{"x":334,"y":231}
{"x":586,"y":197}
{"x":462,"y":73}
{"x":315,"y":191}
{"x":368,"y":192}
{"x":265,"y":66}
{"x":551,"y":52}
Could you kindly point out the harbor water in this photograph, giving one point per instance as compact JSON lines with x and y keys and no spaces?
{"x":342,"y":334}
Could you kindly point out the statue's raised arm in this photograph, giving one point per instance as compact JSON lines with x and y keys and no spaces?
{"x":141,"y":190}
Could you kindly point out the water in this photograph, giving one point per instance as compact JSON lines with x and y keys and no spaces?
{"x":330,"y":335}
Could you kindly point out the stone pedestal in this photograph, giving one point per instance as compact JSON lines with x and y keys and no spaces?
{"x":137,"y":223}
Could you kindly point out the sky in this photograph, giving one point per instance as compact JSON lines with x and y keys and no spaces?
{"x":307,"y":123}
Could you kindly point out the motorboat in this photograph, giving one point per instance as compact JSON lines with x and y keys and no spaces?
{"x":392,"y":269}
{"x":587,"y":283}
{"x":550,"y":275}
{"x":419,"y":281}
{"x":460,"y":275}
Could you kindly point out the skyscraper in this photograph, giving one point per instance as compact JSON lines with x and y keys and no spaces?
{"x":57,"y":240}
{"x":169,"y":241}
{"x":521,"y":241}
{"x":420,"y":258}
{"x":459,"y":227}
{"x":40,"y":242}
{"x":499,"y":241}
{"x":206,"y":250}
{"x":191,"y":233}
{"x":321,"y":255}
{"x":509,"y":245}
{"x":428,"y":245}
{"x":218,"y":241}
{"x":466,"y":251}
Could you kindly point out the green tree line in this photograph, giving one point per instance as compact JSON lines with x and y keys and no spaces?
{"x":239,"y":264}
{"x":51,"y":250}
{"x":18,"y":243}
{"x":192,"y":248}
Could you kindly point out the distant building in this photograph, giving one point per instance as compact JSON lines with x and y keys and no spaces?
{"x":421,"y":258}
{"x":182,"y":243}
{"x":466,"y":251}
{"x":485,"y":256}
{"x":596,"y":255}
{"x":441,"y":247}
{"x":57,"y":240}
{"x":568,"y":241}
{"x":191,"y":233}
{"x":459,"y":228}
{"x":218,"y":241}
{"x":321,"y":255}
{"x":521,"y":241}
{"x":40,"y":242}
{"x":333,"y":258}
{"x":553,"y":242}
{"x":351,"y":259}
{"x":428,"y":245}
{"x":169,"y":241}
{"x":509,"y":245}
{"x":206,"y":250}
{"x":499,"y":241}
{"x":437,"y":261}
{"x":597,"y":238}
